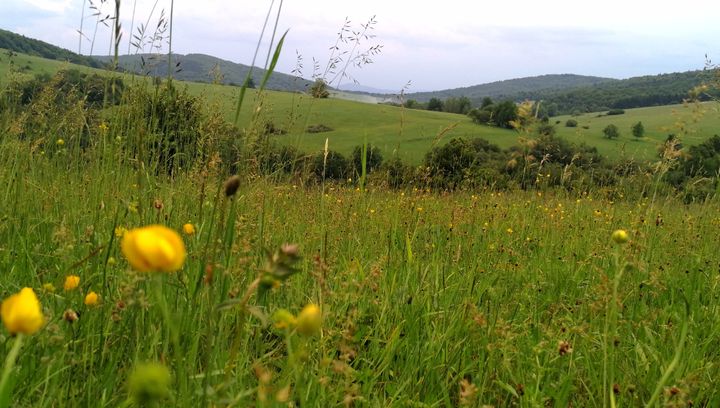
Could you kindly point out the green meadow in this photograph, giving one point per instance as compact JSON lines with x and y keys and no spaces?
{"x":410,"y":133}
{"x":269,"y":289}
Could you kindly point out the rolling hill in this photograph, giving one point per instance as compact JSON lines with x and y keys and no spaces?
{"x":564,"y":94}
{"x":205,"y":68}
{"x":19,"y":43}
{"x":410,"y":133}
{"x":508,"y":89}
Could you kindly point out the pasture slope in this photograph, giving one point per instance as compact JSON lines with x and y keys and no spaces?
{"x":410,"y":133}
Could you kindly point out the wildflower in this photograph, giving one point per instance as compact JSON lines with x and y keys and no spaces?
{"x":153,"y":248}
{"x":283,"y":319}
{"x":60,"y":142}
{"x":91,"y":299}
{"x":103,"y":127}
{"x":71,"y":282}
{"x":564,"y":348}
{"x":189,"y":229}
{"x":149,"y":383}
{"x":309,"y":320}
{"x":111,"y":261}
{"x":49,"y":287}
{"x":21,"y":312}
{"x":120,"y":231}
{"x":620,"y":236}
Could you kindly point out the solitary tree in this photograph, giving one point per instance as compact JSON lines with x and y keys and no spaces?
{"x":611,"y":131}
{"x":638,"y":130}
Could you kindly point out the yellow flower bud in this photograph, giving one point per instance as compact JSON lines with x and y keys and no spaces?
{"x":71,"y":282}
{"x":154,"y":248}
{"x":283,"y":319}
{"x":21,"y":312}
{"x":149,"y":383}
{"x":92,"y":299}
{"x":189,"y":229}
{"x":620,"y":236}
{"x":309,"y":320}
{"x":49,"y":287}
{"x":60,"y":142}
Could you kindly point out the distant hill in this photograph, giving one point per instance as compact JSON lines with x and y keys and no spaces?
{"x":567,"y":93}
{"x":205,"y":68}
{"x":510,"y":88}
{"x":19,"y":43}
{"x":637,"y":92}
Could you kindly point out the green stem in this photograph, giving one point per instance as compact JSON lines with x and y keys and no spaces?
{"x":5,"y":386}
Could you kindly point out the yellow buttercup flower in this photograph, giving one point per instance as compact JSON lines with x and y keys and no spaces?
{"x":21,"y":312}
{"x":189,"y":229}
{"x":154,"y":248}
{"x":91,"y":299}
{"x":309,"y":320}
{"x":620,"y":236}
{"x":71,"y":282}
{"x":60,"y":142}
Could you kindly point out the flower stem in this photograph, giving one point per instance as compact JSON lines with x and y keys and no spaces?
{"x":5,"y":385}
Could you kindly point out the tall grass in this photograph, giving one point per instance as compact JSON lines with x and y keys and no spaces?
{"x":428,"y":298}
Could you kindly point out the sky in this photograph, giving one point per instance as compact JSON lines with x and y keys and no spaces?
{"x":430,"y":45}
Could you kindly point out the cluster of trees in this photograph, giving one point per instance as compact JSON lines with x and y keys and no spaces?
{"x":460,"y":105}
{"x":501,"y":114}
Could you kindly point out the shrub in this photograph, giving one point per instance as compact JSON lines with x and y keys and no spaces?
{"x":397,"y":173}
{"x":454,"y":163}
{"x":373,"y":159}
{"x":334,"y":168}
{"x":320,"y":128}
{"x":571,"y":123}
{"x":612,"y":112}
{"x":319,"y":89}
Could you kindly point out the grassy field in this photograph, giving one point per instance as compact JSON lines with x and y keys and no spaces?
{"x":692,"y":123}
{"x":410,"y":133}
{"x":408,"y":298}
{"x":506,"y":299}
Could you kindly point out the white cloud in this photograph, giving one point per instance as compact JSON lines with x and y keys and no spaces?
{"x":435,"y":44}
{"x":54,"y":6}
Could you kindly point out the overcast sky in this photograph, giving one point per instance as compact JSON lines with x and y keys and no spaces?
{"x":435,"y":44}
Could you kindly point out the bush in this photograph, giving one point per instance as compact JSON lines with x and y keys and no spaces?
{"x":319,"y":89}
{"x":612,"y":112}
{"x":373,"y":159}
{"x":334,"y":168}
{"x":480,"y":116}
{"x":571,"y":123}
{"x":320,"y":128}
{"x":456,"y":162}
{"x":397,"y":173}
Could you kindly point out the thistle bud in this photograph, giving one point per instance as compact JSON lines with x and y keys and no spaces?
{"x":231,"y":185}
